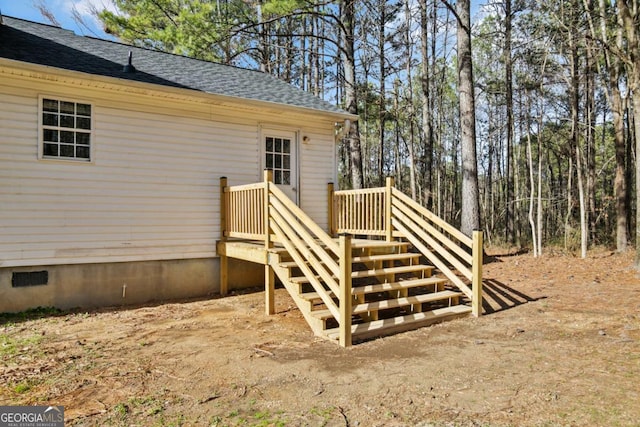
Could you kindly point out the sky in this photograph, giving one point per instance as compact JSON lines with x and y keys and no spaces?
{"x":62,"y":10}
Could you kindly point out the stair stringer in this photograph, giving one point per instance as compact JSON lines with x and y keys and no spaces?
{"x":284,"y":274}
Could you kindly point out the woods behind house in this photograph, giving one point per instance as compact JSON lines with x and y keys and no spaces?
{"x":557,"y":98}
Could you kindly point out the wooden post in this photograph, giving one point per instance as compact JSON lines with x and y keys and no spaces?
{"x":269,"y":278}
{"x":224,"y":261}
{"x":476,"y":270}
{"x":331,"y":212}
{"x":387,"y":209}
{"x":345,"y":290}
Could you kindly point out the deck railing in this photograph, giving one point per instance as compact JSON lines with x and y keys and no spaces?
{"x":386,"y":211}
{"x":244,"y":216}
{"x":359,"y":211}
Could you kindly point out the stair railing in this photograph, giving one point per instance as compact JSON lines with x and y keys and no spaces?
{"x":386,"y":211}
{"x":317,"y":255}
{"x":263,"y":212}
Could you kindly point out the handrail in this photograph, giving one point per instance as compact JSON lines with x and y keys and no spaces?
{"x":444,"y":246}
{"x":325,"y":264}
{"x":321,"y":260}
{"x":435,"y":219}
{"x":386,"y":211}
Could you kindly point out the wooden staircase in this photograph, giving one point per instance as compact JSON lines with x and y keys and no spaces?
{"x":354,"y":288}
{"x":392,"y":291}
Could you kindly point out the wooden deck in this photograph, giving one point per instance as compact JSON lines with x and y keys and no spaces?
{"x":354,"y":288}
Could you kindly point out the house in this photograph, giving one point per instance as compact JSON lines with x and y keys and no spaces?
{"x":110,"y":160}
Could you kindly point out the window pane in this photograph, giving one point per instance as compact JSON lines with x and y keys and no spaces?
{"x":269,"y":144}
{"x":286,"y":162}
{"x":83,"y":138}
{"x":75,"y":140}
{"x":83,"y":109}
{"x":50,"y":150}
{"x":286,"y":146}
{"x":67,"y":137}
{"x":278,"y":146}
{"x":66,"y":151}
{"x":278,"y":161}
{"x":277,"y":177}
{"x":67,"y":107}
{"x":50,"y":135}
{"x":50,"y":105}
{"x":286,"y":177}
{"x":50,"y":119}
{"x":83,"y":123}
{"x":269,"y":161}
{"x":66,"y":121}
{"x":82,"y":152}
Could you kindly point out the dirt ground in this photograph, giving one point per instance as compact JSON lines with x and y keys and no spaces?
{"x":559,"y":346}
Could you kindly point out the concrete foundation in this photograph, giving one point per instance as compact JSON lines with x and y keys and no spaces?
{"x":120,"y":284}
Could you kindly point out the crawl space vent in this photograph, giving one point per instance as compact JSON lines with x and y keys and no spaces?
{"x":30,"y":278}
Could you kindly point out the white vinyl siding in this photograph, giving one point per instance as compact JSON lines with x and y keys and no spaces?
{"x":317,"y":169}
{"x":151,"y":191}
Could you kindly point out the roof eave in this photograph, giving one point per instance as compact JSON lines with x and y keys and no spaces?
{"x":156,"y":89}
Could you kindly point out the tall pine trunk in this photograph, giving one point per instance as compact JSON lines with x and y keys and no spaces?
{"x":347,"y":16}
{"x":470,"y":214}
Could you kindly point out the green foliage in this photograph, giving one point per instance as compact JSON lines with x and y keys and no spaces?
{"x":31,"y":314}
{"x":199,"y":28}
{"x":10,"y":346}
{"x":283,"y":7}
{"x":22,"y":387}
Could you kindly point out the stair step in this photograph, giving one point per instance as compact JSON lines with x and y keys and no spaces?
{"x":382,"y":287}
{"x":375,"y":272}
{"x":288,"y":264}
{"x":391,"y":303}
{"x":367,"y":244}
{"x":371,"y":258}
{"x":402,"y":323}
{"x":278,"y":250}
{"x":387,"y":257}
{"x":313,"y":296}
{"x":393,"y":286}
{"x":391,"y":270}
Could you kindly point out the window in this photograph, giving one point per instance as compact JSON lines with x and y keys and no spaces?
{"x":278,"y":152}
{"x":66,"y":130}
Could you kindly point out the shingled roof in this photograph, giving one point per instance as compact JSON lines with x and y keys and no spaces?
{"x":51,"y":46}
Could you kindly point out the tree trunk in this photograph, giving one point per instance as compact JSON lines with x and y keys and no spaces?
{"x":350,"y":95}
{"x":532,"y":187}
{"x":627,"y":14}
{"x":470,"y":214}
{"x":575,"y":139}
{"x":382,"y":118}
{"x":617,"y":109}
{"x":509,"y":235}
{"x":427,"y":125}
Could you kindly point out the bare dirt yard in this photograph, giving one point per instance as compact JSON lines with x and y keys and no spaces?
{"x":559,"y":346}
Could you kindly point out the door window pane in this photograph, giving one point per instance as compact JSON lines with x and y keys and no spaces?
{"x":278,"y":159}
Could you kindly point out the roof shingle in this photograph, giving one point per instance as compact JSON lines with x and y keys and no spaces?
{"x":42,"y":44}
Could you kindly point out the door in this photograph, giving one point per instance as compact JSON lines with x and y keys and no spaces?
{"x":281,"y":156}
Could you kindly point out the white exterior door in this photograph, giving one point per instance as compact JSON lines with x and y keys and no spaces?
{"x":280,"y":155}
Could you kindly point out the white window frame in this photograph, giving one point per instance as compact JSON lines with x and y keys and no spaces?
{"x":58,"y":128}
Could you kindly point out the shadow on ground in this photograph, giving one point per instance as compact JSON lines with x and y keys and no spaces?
{"x":499,"y":297}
